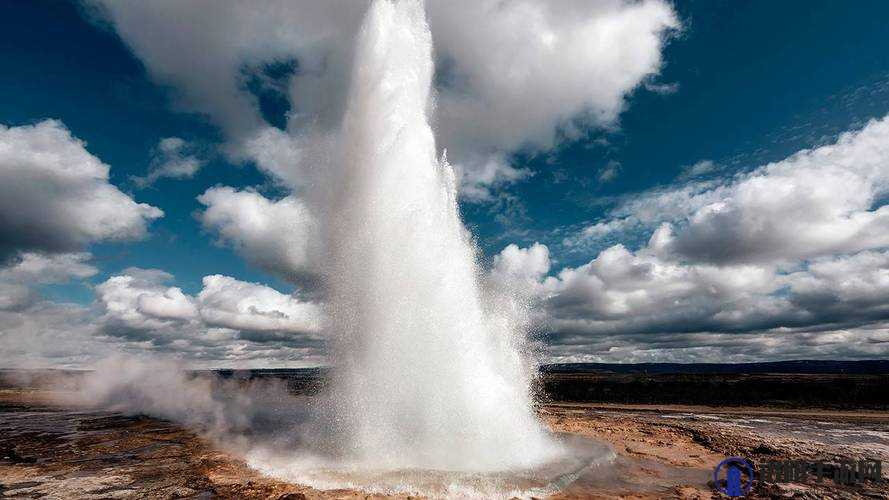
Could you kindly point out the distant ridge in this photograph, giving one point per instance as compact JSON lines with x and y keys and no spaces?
{"x":798,"y":367}
{"x":877,"y":366}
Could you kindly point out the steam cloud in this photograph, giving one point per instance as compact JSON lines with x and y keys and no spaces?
{"x":430,"y":366}
{"x":240,"y":416}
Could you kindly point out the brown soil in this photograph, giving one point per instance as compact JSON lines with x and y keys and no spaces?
{"x":663,"y":452}
{"x":674,"y":457}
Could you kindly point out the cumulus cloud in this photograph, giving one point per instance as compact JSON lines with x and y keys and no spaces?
{"x":643,"y":302}
{"x":171,"y":159}
{"x":161,"y":320}
{"x":278,"y":236}
{"x":35,"y":268}
{"x":55,"y":199}
{"x":21,"y":275}
{"x":253,"y":308}
{"x":787,"y":260}
{"x":44,"y":333}
{"x":855,"y":286}
{"x":817,"y":202}
{"x":625,"y":292}
{"x":821,"y":201}
{"x":55,"y":195}
{"x":204,"y":48}
{"x":15,"y":296}
{"x":718,"y":347}
{"x":521,"y":267}
{"x":512,"y":75}
{"x":524,"y":74}
{"x":36,"y":332}
{"x":482,"y":173}
{"x":137,"y":311}
{"x":139,"y":304}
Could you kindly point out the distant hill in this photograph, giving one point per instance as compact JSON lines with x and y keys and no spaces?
{"x":791,"y":367}
{"x":880,"y":366}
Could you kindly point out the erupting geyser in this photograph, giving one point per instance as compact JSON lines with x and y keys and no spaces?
{"x":430,"y":391}
{"x":428,"y":376}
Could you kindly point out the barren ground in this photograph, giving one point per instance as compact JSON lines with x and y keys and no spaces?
{"x":663,"y":452}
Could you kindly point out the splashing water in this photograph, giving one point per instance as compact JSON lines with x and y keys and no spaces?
{"x":428,"y":376}
{"x":431,"y":387}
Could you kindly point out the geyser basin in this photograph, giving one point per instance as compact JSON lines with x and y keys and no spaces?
{"x":430,"y":389}
{"x":578,"y":456}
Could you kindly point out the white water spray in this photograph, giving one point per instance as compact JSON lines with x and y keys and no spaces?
{"x":431,"y":390}
{"x":426,"y":376}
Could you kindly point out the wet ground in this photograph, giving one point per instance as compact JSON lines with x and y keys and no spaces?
{"x":47,"y":451}
{"x":670,"y":451}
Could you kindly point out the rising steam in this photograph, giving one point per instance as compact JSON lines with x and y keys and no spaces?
{"x":427,"y":377}
{"x":429,"y":369}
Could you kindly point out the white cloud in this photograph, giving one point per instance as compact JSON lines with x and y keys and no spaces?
{"x":855,"y":286}
{"x":697,"y":169}
{"x":278,"y":154}
{"x":20,"y":276}
{"x":279,"y":236}
{"x":55,"y":196}
{"x":35,"y":268}
{"x":35,"y":332}
{"x":138,"y":301}
{"x":136,"y":311}
{"x":714,"y":347}
{"x":639,"y":306}
{"x":523,"y":73}
{"x":49,"y":334}
{"x":15,"y":296}
{"x":515,"y":75}
{"x":609,"y":172}
{"x":139,"y":304}
{"x":487,"y":172}
{"x":171,"y":160}
{"x":521,"y":266}
{"x":514,"y":284}
{"x":661,"y":88}
{"x":816,"y":202}
{"x":624,"y":292}
{"x":229,"y":303}
{"x":202,"y":48}
{"x":787,"y":260}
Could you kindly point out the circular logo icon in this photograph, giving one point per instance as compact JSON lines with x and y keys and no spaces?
{"x":734,"y":484}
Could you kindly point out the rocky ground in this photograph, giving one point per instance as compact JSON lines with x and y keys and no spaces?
{"x":670,"y":451}
{"x":662,"y":452}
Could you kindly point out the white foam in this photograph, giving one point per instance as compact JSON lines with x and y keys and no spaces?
{"x":429,"y":373}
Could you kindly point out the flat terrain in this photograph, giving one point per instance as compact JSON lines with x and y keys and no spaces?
{"x":670,"y":451}
{"x":838,"y":391}
{"x":47,"y":451}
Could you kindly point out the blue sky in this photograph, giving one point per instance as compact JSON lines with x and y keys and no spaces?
{"x":736,"y":87}
{"x":754,"y":85}
{"x":70,"y":69}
